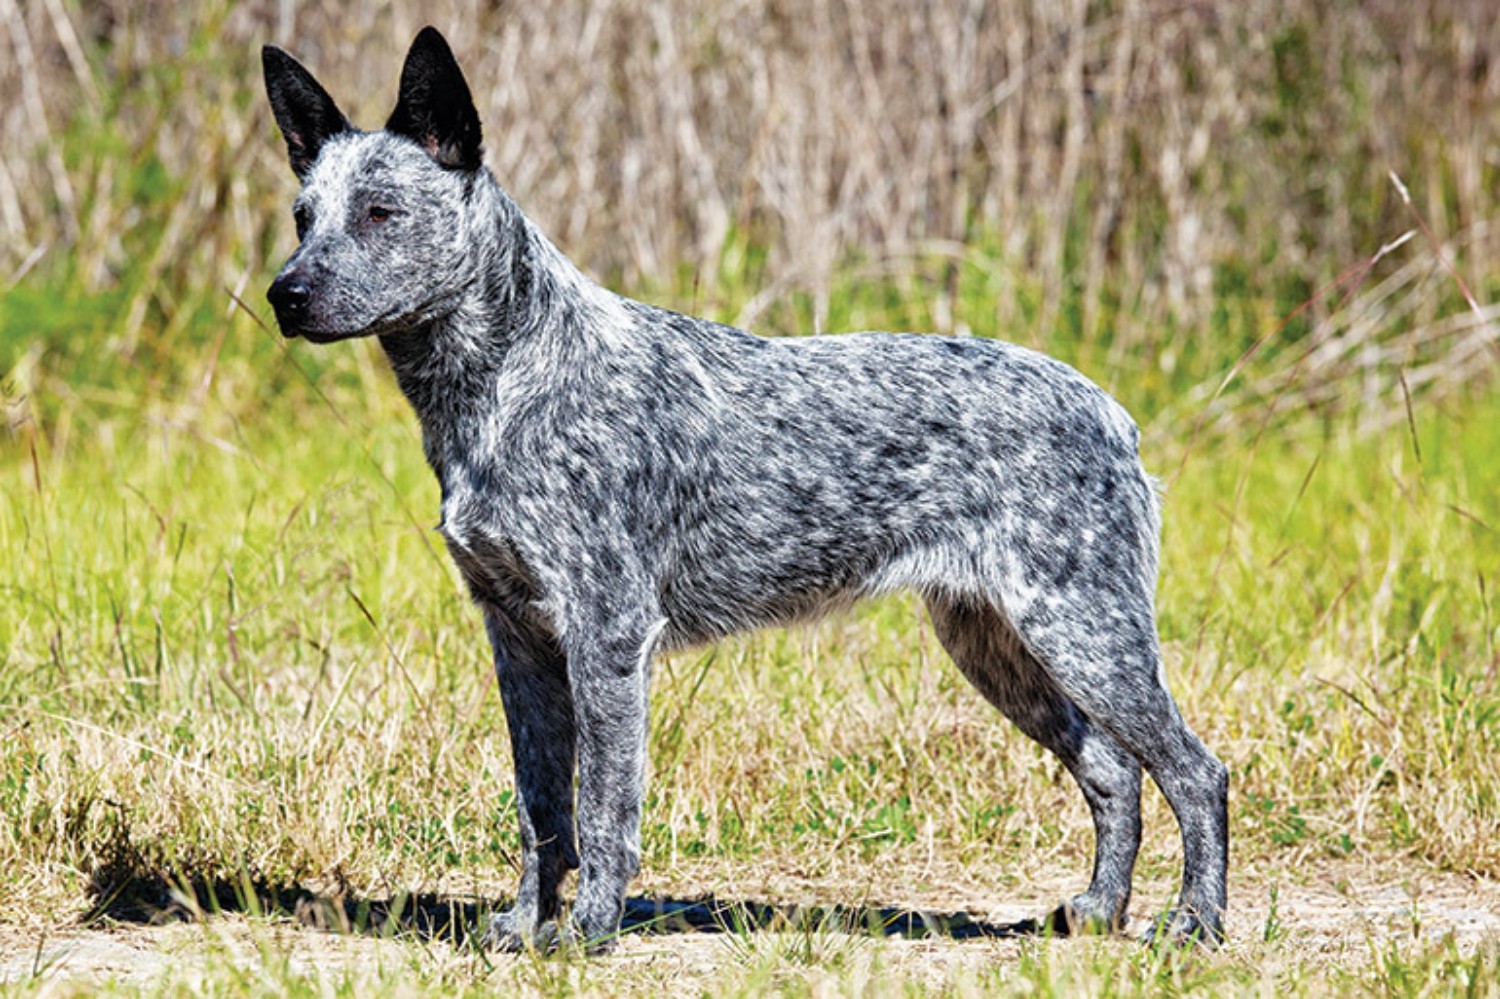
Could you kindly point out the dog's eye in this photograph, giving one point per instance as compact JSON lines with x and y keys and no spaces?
{"x":379,"y":213}
{"x":303,"y":218}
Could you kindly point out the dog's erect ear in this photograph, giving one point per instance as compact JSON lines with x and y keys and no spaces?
{"x":307,"y":115}
{"x":435,"y":107}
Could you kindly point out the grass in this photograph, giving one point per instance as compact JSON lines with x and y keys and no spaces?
{"x":233,"y":657}
{"x":238,"y":675}
{"x":250,"y":957}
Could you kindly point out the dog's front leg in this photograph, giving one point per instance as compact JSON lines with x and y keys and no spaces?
{"x":610,"y":673}
{"x":533,"y":680}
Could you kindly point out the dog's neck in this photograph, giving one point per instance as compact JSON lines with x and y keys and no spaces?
{"x":522,"y":292}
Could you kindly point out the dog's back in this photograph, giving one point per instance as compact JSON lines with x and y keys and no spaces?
{"x":761,"y":480}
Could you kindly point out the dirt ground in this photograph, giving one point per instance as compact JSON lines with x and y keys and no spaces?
{"x":1329,"y":910}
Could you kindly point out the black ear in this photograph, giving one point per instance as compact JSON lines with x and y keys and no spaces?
{"x":307,"y":115}
{"x":434,"y":107}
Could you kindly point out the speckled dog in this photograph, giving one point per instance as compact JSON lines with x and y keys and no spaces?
{"x":618,"y":479}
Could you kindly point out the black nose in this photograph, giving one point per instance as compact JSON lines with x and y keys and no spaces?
{"x":289,"y":296}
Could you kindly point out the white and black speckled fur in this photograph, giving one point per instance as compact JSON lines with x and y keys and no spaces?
{"x":618,"y":479}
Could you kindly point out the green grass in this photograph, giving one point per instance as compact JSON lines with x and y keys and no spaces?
{"x":233,"y":653}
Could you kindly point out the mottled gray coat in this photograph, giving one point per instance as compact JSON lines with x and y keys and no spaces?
{"x":618,"y":479}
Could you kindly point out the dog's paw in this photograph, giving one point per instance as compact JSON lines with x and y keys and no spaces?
{"x":577,"y":936}
{"x":1085,"y":915}
{"x":1184,"y":928}
{"x":509,"y":934}
{"x":1080,"y":916}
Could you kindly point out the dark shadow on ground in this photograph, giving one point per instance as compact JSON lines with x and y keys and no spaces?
{"x":160,"y":899}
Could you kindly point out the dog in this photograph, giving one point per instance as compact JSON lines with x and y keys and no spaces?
{"x":618,"y":480}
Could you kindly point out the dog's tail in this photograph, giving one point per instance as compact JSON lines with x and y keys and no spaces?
{"x":1152,"y":489}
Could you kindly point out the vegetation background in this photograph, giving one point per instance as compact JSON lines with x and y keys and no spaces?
{"x":236,"y":672}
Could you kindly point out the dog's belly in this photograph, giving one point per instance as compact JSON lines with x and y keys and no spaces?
{"x":702,"y":608}
{"x":731,"y":578}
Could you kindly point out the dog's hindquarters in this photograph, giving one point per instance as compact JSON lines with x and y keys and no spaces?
{"x":1007,"y":489}
{"x":990,"y":654}
{"x":1063,"y":640}
{"x":1108,"y":665}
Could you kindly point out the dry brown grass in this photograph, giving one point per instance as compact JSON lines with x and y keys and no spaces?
{"x":1131,"y":149}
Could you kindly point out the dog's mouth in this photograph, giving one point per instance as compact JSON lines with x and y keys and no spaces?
{"x":293,"y":330}
{"x":318,"y":336}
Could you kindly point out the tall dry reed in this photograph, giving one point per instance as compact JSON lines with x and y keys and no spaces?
{"x":1125,"y":165}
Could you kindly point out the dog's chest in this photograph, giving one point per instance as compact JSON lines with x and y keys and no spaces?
{"x":489,"y":561}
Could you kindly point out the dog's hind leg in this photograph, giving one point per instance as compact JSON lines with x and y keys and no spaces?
{"x":1099,"y":647}
{"x":988,"y":652}
{"x":534,"y":687}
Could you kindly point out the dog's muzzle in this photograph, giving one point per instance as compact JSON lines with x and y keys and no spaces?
{"x":290,"y":295}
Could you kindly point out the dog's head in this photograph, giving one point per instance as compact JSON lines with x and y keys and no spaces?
{"x":381,"y":215}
